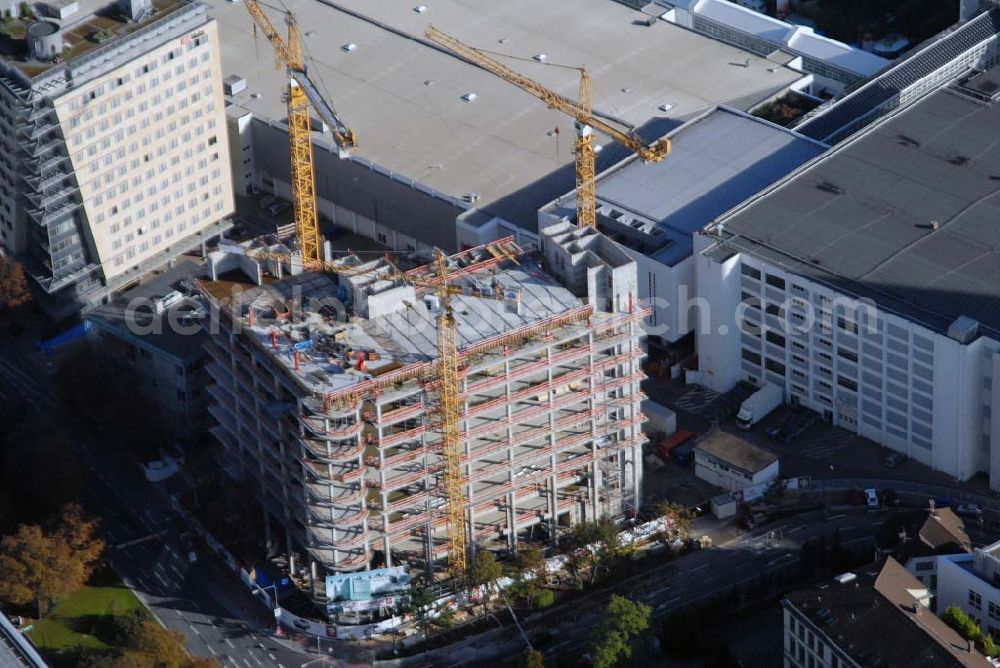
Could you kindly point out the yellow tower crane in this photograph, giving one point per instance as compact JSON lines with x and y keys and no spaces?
{"x":581,"y":110}
{"x":451,"y":417}
{"x":302,"y":93}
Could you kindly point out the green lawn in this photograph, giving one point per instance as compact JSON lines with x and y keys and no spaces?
{"x":75,"y":623}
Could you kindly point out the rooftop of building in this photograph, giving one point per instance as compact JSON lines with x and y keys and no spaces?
{"x":797,"y":38}
{"x":16,"y":651}
{"x":403,"y":95}
{"x":879,"y":618}
{"x":926,"y":533}
{"x":736,"y":452}
{"x":85,"y":25}
{"x":943,"y":530}
{"x":717,"y":161}
{"x":134,"y":314}
{"x":388,"y":323}
{"x":903,"y":213}
{"x":858,"y":106}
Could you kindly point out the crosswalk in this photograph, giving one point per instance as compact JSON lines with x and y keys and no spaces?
{"x":828,"y":445}
{"x":696,"y":399}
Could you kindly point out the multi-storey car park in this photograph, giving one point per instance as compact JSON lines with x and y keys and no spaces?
{"x":114,"y":156}
{"x":444,"y":145}
{"x":337,"y":421}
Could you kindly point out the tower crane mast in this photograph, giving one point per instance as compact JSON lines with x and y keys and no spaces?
{"x":300,"y":95}
{"x":581,"y":110}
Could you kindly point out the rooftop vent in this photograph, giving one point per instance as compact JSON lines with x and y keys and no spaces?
{"x":665,"y":107}
{"x":350,"y":46}
{"x":469,"y":97}
{"x":471,"y":197}
{"x":44,"y":40}
{"x":846,"y":578}
{"x":964,"y":329}
{"x":420,"y":9}
{"x":829,"y":187}
{"x":234,"y":84}
{"x":137,"y":10}
{"x":540,"y":57}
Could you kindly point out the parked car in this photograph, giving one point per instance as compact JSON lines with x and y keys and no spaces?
{"x":871,"y":498}
{"x":894,"y":459}
{"x":969,"y":510}
{"x":277,"y":208}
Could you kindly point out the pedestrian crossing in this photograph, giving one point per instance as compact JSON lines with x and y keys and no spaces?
{"x":827,"y":445}
{"x":696,"y":399}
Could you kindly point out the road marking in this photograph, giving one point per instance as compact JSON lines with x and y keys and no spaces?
{"x":794,"y":530}
{"x":836,"y":517}
{"x":196,"y":632}
{"x":698,"y":568}
{"x":271,"y":656}
{"x":246,"y":662}
{"x":162,"y":580}
{"x":668,"y":603}
{"x":211,"y":649}
{"x":254,"y":657}
{"x":230,"y":643}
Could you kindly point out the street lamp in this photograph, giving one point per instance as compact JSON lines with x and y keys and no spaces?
{"x":319,"y":650}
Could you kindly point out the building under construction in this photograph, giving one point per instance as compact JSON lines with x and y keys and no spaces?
{"x":334,"y":413}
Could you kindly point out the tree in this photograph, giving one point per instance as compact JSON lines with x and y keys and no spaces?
{"x":529,"y":577}
{"x":624,"y":618}
{"x":529,"y":560}
{"x":427,"y":613}
{"x":13,"y":284}
{"x":593,"y":547}
{"x":484,"y":571}
{"x":43,"y":567}
{"x":532,"y":658}
{"x":679,"y":518}
{"x":956,"y":618}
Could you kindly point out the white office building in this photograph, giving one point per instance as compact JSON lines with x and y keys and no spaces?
{"x":865,"y":284}
{"x":970,"y":581}
{"x":113,"y":153}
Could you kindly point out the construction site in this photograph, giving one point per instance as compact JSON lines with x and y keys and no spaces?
{"x":344,"y":414}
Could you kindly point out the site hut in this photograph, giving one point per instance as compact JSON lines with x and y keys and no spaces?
{"x":113,"y":153}
{"x":335,"y":421}
{"x":865,"y":284}
{"x":729,"y":462}
{"x":449,"y":155}
{"x":652,"y":210}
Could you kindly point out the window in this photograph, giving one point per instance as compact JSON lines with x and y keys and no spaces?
{"x":975,"y":600}
{"x":929,"y":565}
{"x":381,"y":238}
{"x":994,"y":610}
{"x":775,"y":338}
{"x":747,"y":270}
{"x":775,"y":281}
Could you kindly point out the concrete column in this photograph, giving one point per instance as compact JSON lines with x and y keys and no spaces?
{"x":388,"y":552}
{"x":553,"y":508}
{"x":511,"y":523}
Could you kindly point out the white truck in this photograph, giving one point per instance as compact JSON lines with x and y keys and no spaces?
{"x":756,"y":407}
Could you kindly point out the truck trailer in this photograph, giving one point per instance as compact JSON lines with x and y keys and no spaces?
{"x":758,"y":405}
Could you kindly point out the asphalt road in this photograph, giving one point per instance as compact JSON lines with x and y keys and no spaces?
{"x":217,"y":615}
{"x":690,"y":579}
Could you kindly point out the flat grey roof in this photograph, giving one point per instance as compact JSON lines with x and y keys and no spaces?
{"x":403,"y":96}
{"x":736,"y":452}
{"x":131,"y":312}
{"x":905,"y":214}
{"x":717,"y":162}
